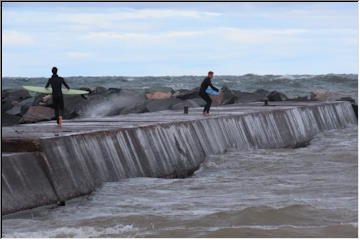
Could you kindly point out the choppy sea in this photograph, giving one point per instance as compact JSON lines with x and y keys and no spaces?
{"x":303,"y":192}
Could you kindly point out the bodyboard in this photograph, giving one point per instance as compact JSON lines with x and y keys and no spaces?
{"x":210,"y":91}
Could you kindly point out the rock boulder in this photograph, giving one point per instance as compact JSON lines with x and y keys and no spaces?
{"x":277,"y":96}
{"x":38,"y":113}
{"x":185,"y":94}
{"x":10,"y":120}
{"x":161,"y":104}
{"x":228,"y":96}
{"x":159,"y":93}
{"x":10,"y":97}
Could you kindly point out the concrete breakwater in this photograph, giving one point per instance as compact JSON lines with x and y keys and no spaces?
{"x":43,"y":164}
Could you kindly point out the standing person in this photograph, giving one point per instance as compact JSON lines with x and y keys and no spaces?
{"x":56,"y":82}
{"x":204,"y":85}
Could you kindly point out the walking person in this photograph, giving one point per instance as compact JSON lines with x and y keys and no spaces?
{"x":204,"y":85}
{"x":56,"y":82}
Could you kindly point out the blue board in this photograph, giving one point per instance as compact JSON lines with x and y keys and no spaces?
{"x":210,"y":91}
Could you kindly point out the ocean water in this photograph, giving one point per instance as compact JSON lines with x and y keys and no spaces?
{"x":291,"y":85}
{"x":303,"y":192}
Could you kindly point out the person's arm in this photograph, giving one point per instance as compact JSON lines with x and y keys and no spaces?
{"x":65,"y":84}
{"x":48,"y":83}
{"x":213,"y":87}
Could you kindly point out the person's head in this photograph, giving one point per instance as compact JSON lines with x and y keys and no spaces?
{"x":210,"y":74}
{"x":54,"y":70}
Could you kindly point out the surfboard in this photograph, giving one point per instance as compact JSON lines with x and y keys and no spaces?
{"x":49,"y":90}
{"x":210,"y":91}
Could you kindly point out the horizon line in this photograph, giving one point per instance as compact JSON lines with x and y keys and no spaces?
{"x":190,"y":75}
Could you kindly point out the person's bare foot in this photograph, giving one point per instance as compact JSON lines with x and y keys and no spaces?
{"x":204,"y":113}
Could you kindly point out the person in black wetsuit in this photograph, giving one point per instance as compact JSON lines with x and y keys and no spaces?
{"x":56,"y":82}
{"x":204,"y":85}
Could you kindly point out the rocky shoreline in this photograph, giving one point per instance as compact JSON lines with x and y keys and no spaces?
{"x":19,"y":106}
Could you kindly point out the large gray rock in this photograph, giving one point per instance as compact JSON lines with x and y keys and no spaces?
{"x":125,"y":104}
{"x":178,"y":106}
{"x":10,"y":97}
{"x":197,"y":102}
{"x":277,"y":96}
{"x":185,"y":94}
{"x":26,"y":104}
{"x":38,"y":100}
{"x":100,"y":90}
{"x":6,"y":105}
{"x":137,"y":107}
{"x":261,"y":92}
{"x":114,"y":91}
{"x":115,"y":102}
{"x":73,"y":106}
{"x":16,"y":94}
{"x":161,"y":104}
{"x":235,"y":96}
{"x":38,"y":113}
{"x":21,"y":107}
{"x":228,"y":96}
{"x":86,"y":89}
{"x":191,"y":103}
{"x":10,"y":120}
{"x":16,"y":110}
{"x":258,"y":95}
{"x":5,"y":102}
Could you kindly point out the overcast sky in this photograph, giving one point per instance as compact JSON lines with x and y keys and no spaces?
{"x":137,"y":39}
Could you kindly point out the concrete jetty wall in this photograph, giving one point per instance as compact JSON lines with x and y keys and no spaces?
{"x":24,"y":182}
{"x":74,"y":165}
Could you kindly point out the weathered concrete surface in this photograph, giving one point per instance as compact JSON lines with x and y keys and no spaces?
{"x":84,"y":153}
{"x":24,"y":182}
{"x":85,"y":125}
